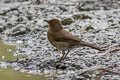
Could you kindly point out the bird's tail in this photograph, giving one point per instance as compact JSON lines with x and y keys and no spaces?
{"x":90,"y":45}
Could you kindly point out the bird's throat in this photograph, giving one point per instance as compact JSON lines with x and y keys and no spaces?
{"x":56,"y":28}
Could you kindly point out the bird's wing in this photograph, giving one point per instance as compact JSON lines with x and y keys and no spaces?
{"x":64,"y":36}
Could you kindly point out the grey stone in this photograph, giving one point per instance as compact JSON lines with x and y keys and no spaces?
{"x":19,"y":30}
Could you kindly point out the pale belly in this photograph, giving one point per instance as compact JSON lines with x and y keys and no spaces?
{"x":61,"y":45}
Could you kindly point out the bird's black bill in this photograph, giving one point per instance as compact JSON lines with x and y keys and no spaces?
{"x":46,"y":21}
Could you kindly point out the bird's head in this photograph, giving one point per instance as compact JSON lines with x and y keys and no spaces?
{"x":54,"y":24}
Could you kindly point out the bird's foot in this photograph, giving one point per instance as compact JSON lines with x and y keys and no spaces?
{"x":60,"y":65}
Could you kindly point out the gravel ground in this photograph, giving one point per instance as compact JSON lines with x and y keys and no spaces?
{"x":100,"y":27}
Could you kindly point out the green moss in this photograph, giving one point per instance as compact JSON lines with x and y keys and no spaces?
{"x":9,"y":74}
{"x":84,"y":9}
{"x":81,"y":16}
{"x":42,"y":8}
{"x":111,"y":20}
{"x":29,"y":17}
{"x":67,"y":21}
{"x":113,"y":24}
{"x":89,"y":28}
{"x":46,"y":26}
{"x":1,"y":30}
{"x":7,"y":51}
{"x":55,"y":49}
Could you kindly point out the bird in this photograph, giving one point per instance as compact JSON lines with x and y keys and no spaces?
{"x":64,"y":40}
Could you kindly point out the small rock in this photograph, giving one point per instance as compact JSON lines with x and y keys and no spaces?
{"x":3,"y":57}
{"x":9,"y":50}
{"x":81,"y":16}
{"x":89,"y":28}
{"x":1,"y":29}
{"x":62,"y":8}
{"x":19,"y":30}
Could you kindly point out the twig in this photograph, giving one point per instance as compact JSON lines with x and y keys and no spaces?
{"x":112,"y":49}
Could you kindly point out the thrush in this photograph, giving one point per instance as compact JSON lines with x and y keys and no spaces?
{"x":63,"y":40}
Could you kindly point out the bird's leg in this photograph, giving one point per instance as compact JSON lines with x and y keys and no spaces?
{"x":63,"y":52}
{"x":66,"y":54}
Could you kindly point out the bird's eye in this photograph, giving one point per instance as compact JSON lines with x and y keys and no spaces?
{"x":52,"y":22}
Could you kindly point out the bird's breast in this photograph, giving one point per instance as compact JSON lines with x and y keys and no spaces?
{"x":58,"y":44}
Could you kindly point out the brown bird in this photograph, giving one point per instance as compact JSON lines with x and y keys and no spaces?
{"x":63,"y":40}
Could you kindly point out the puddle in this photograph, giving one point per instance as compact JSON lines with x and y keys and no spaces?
{"x":9,"y":74}
{"x":6,"y":52}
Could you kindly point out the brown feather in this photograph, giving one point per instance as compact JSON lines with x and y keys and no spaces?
{"x":61,"y":38}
